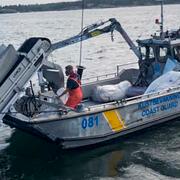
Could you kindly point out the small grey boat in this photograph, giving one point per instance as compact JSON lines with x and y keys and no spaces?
{"x":100,"y":117}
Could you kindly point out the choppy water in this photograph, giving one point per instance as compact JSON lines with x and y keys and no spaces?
{"x":151,"y":154}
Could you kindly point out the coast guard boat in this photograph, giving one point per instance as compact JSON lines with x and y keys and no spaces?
{"x":112,"y":105}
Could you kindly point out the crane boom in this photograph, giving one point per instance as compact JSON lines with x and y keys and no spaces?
{"x":94,"y":30}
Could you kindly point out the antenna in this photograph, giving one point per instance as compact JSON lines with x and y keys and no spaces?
{"x":162,"y":19}
{"x":82,"y":24}
{"x":80,"y":68}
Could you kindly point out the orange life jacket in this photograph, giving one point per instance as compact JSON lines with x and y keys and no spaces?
{"x":75,"y":95}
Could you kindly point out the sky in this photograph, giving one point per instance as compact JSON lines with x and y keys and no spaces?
{"x":15,"y":2}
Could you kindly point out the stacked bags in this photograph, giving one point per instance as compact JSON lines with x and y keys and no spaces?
{"x":170,"y":79}
{"x":108,"y":93}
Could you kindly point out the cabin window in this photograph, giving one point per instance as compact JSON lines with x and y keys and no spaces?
{"x":147,"y":53}
{"x":143,"y":52}
{"x":163,"y":52}
{"x":151,"y":53}
{"x":177,"y":53}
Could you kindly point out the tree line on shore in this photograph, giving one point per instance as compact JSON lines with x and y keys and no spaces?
{"x":87,"y":4}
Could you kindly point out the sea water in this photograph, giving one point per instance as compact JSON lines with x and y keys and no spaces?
{"x":151,"y":154}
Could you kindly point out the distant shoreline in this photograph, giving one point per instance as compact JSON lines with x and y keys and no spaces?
{"x":77,"y":5}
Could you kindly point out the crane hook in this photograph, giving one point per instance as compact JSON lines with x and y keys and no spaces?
{"x":112,"y":36}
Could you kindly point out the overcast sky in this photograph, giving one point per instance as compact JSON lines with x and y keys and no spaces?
{"x":15,"y":2}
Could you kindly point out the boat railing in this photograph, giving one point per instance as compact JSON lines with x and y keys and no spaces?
{"x":100,"y":77}
{"x":145,"y":97}
{"x":120,"y":68}
{"x":155,"y":94}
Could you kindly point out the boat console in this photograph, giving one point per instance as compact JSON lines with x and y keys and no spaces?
{"x":155,"y":53}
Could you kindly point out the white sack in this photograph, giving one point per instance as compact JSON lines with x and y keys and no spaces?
{"x":108,"y":93}
{"x":170,"y":65}
{"x":168,"y":80}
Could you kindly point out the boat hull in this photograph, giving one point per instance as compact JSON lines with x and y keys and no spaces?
{"x":96,"y":127}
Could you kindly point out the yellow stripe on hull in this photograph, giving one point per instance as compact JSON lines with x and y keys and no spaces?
{"x":115,"y":120}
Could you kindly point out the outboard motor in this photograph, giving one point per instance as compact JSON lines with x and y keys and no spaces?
{"x":54,"y":76}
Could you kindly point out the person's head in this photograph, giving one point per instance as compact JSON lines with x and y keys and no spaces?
{"x":69,"y":70}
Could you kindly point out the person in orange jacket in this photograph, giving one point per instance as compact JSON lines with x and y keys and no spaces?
{"x":73,"y":87}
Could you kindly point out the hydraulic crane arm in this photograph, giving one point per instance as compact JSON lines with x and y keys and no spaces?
{"x":94,"y":30}
{"x":123,"y":33}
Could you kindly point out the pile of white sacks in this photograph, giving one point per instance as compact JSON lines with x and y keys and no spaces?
{"x":169,"y":78}
{"x":108,"y":93}
{"x":115,"y":92}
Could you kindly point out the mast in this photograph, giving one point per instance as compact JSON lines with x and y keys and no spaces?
{"x":162,"y":19}
{"x":82,"y":24}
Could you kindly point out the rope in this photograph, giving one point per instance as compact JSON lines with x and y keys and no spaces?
{"x":82,"y":24}
{"x":35,"y":104}
{"x":30,"y":108}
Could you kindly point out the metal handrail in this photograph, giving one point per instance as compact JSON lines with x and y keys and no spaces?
{"x":100,"y":77}
{"x":143,"y":96}
{"x":123,"y":65}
